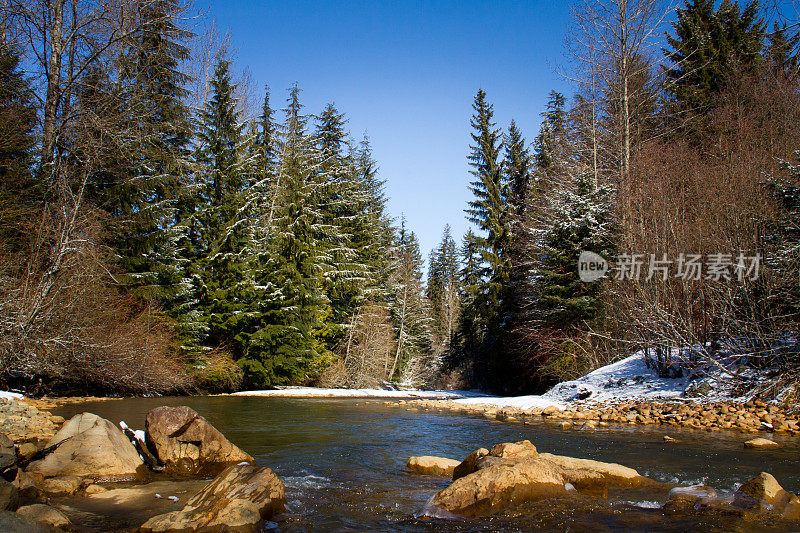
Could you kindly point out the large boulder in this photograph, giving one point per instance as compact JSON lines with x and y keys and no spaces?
{"x":241,"y":497}
{"x":187,"y":443}
{"x":488,"y":481}
{"x":763,"y":492}
{"x":44,"y":514}
{"x":495,"y":488}
{"x":89,"y":446}
{"x":507,"y":453}
{"x":432,"y":466}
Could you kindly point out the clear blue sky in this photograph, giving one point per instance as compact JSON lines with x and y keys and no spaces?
{"x":406,"y":73}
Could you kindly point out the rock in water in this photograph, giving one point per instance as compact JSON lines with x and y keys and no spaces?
{"x":90,"y":446}
{"x":44,"y":514}
{"x":432,"y":466}
{"x":761,"y":443}
{"x":241,"y":497}
{"x":492,"y":489}
{"x":187,"y":443}
{"x":764,"y":492}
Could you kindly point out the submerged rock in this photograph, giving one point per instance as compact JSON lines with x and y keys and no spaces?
{"x":187,"y":443}
{"x":90,"y":446}
{"x":761,"y":443}
{"x":9,"y":496}
{"x":242,"y":496}
{"x":432,"y":466}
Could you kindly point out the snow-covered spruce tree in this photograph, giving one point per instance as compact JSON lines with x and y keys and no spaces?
{"x":413,"y":363}
{"x":287,"y":345}
{"x":343,"y":202}
{"x":217,"y":226}
{"x":145,"y":240}
{"x":443,"y":291}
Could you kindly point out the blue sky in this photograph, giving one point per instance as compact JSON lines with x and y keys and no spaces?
{"x":406,"y":73}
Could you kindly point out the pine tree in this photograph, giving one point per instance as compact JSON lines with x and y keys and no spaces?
{"x":781,"y":52}
{"x":707,"y":45}
{"x":412,"y":357}
{"x":219,"y":224}
{"x":20,"y":194}
{"x":549,"y":143}
{"x":288,"y":342}
{"x":442,"y":291}
{"x":155,"y":92}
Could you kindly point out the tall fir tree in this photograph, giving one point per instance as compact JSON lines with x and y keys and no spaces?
{"x":708,"y":46}
{"x":219,"y":222}
{"x":287,"y":345}
{"x":21,"y":195}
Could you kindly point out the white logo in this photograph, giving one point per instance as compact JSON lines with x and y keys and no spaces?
{"x":591,"y":266}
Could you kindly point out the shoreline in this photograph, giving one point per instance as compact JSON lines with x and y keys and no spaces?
{"x":750,"y":417}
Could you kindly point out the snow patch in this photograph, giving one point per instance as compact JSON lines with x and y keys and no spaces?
{"x":626,"y":379}
{"x":311,"y":392}
{"x":7,"y":395}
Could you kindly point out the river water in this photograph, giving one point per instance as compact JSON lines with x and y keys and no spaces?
{"x":342,"y":461}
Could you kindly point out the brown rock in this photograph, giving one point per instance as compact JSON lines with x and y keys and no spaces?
{"x":27,"y":449}
{"x":187,"y":443}
{"x":9,"y":496}
{"x":61,"y":485}
{"x":469,"y":464}
{"x":241,"y":497}
{"x":761,"y":443}
{"x":44,"y":514}
{"x":91,"y":446}
{"x":612,"y":473}
{"x":432,"y":466}
{"x":492,"y":489}
{"x":95,"y":489}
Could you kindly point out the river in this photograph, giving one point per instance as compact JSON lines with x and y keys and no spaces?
{"x":343,"y":462}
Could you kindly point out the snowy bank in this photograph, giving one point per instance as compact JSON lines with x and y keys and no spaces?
{"x":5,"y":395}
{"x":627,"y":379}
{"x":522,"y":402}
{"x":311,"y":392}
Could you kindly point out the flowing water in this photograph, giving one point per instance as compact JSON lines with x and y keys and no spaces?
{"x":342,"y":461}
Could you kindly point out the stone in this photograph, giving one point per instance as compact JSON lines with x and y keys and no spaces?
{"x":26,"y":485}
{"x":515,"y":449}
{"x":493,"y":489}
{"x":762,"y":491}
{"x":549,"y":410}
{"x":8,"y":453}
{"x":432,"y":466}
{"x":15,"y":523}
{"x":27,"y":449}
{"x":95,"y":489}
{"x":61,"y":485}
{"x":91,"y":447}
{"x":187,"y":443}
{"x":761,"y":443}
{"x":9,"y":496}
{"x":55,"y":419}
{"x":44,"y":514}
{"x":469,"y":464}
{"x":241,"y":496}
{"x":613,"y":473}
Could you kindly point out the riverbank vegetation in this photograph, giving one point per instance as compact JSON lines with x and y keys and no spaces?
{"x":165,"y":225}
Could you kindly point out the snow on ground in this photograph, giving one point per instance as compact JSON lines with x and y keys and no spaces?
{"x":626,"y":379}
{"x":523,"y":402}
{"x":5,"y":395}
{"x":311,"y":392}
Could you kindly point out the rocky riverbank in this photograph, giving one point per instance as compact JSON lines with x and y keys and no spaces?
{"x":750,"y":417}
{"x":90,"y":475}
